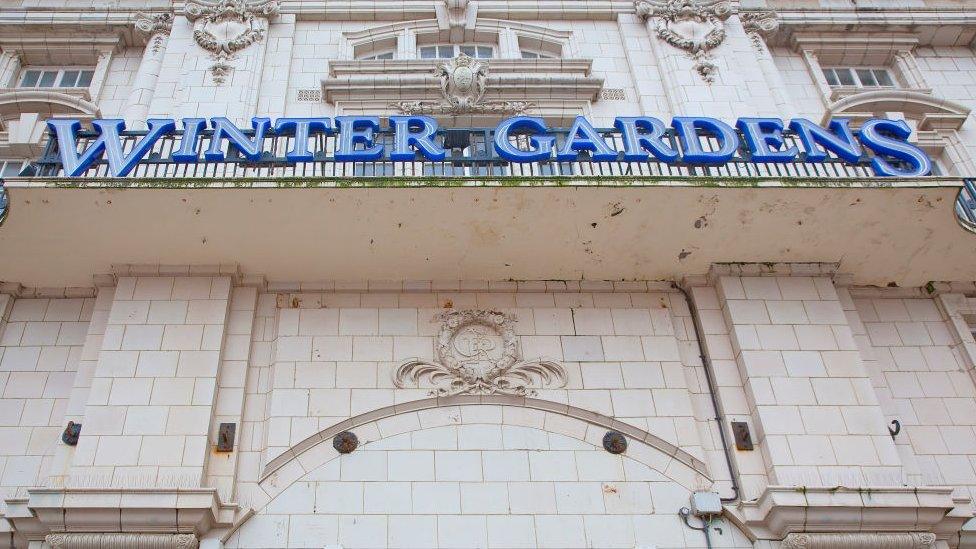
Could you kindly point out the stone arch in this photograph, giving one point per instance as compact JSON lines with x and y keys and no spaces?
{"x":532,"y":472}
{"x":45,"y":102}
{"x":649,"y":449}
{"x":930,"y":112}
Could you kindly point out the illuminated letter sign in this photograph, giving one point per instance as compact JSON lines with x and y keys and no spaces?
{"x":880,"y":144}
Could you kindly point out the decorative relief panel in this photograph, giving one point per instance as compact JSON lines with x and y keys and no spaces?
{"x":696,"y":27}
{"x":860,"y":540}
{"x":227,"y":27}
{"x":121,"y":541}
{"x":463,"y":83}
{"x":478,"y":354}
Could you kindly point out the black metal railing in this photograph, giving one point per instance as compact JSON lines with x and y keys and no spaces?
{"x":966,"y":204}
{"x":470,"y":154}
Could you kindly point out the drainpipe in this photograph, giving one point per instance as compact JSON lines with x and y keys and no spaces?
{"x":716,"y":403}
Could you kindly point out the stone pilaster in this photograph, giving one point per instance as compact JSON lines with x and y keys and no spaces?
{"x":156,"y":28}
{"x":152,"y":393}
{"x":816,"y":415}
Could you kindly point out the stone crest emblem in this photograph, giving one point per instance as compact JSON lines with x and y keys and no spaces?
{"x":696,"y":26}
{"x":478,"y":354}
{"x":226,"y":27}
{"x":463,"y":83}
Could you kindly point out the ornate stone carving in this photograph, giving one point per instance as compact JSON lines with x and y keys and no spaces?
{"x":121,"y":541}
{"x":463,"y":83}
{"x":860,"y":540}
{"x":758,"y":24}
{"x":691,"y":25}
{"x":228,"y":27}
{"x":154,"y":23}
{"x":478,"y":354}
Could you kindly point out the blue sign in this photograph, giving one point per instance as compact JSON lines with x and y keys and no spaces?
{"x":881,"y":143}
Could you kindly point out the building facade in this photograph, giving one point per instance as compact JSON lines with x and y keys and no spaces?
{"x":271,"y":345}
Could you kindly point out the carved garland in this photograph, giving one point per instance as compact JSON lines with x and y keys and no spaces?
{"x":478,"y":354}
{"x":696,"y":27}
{"x":226,"y":28}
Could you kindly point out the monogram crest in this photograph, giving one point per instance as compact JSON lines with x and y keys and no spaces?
{"x":463,"y":83}
{"x":696,"y":26}
{"x":478,"y":354}
{"x":227,"y":27}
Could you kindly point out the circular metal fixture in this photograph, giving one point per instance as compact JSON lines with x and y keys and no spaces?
{"x":614,"y":442}
{"x":345,"y":442}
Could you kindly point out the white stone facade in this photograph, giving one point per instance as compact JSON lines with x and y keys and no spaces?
{"x":663,"y":308}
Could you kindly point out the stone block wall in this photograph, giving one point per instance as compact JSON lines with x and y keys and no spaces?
{"x":40,"y":348}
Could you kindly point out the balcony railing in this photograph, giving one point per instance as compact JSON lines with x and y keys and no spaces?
{"x":470,"y":154}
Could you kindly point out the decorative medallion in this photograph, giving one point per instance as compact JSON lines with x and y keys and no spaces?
{"x":345,"y":442}
{"x":478,"y":354}
{"x":227,"y":27}
{"x":463,"y":83}
{"x":696,"y":26}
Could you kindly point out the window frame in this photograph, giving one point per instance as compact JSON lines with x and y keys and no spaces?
{"x":6,"y":163}
{"x":59,"y":75}
{"x":856,"y":77}
{"x":456,"y":49}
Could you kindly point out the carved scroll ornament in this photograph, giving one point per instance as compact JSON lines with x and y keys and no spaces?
{"x":758,"y":24}
{"x":227,"y":27}
{"x":478,"y":354}
{"x":694,"y":26}
{"x":463,"y":83}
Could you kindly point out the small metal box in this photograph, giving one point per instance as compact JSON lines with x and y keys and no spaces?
{"x":704,"y":504}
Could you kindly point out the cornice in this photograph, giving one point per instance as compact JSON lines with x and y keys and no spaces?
{"x":48,"y":511}
{"x":783,"y":510}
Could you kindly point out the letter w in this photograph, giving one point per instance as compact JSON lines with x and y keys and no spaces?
{"x":108,"y":142}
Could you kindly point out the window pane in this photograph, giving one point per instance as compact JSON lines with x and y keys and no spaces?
{"x":831,"y":77}
{"x":30,"y":79}
{"x":883,"y":78}
{"x":68,"y":79}
{"x":445,"y":52}
{"x":845,"y":76}
{"x":10,"y":169}
{"x":47,"y":79}
{"x":529,"y":55}
{"x":470,"y":51}
{"x":484,"y":52}
{"x":387,"y":55}
{"x":428,"y":52}
{"x":85,"y":78}
{"x":866,"y":78}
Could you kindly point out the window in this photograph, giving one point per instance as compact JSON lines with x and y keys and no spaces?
{"x":11,"y":168}
{"x":531,"y":54}
{"x":448,"y":51}
{"x":858,"y":77}
{"x":54,"y":77}
{"x":378,"y":56}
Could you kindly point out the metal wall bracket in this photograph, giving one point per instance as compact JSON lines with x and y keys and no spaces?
{"x":225,"y":437}
{"x":743,"y":437}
